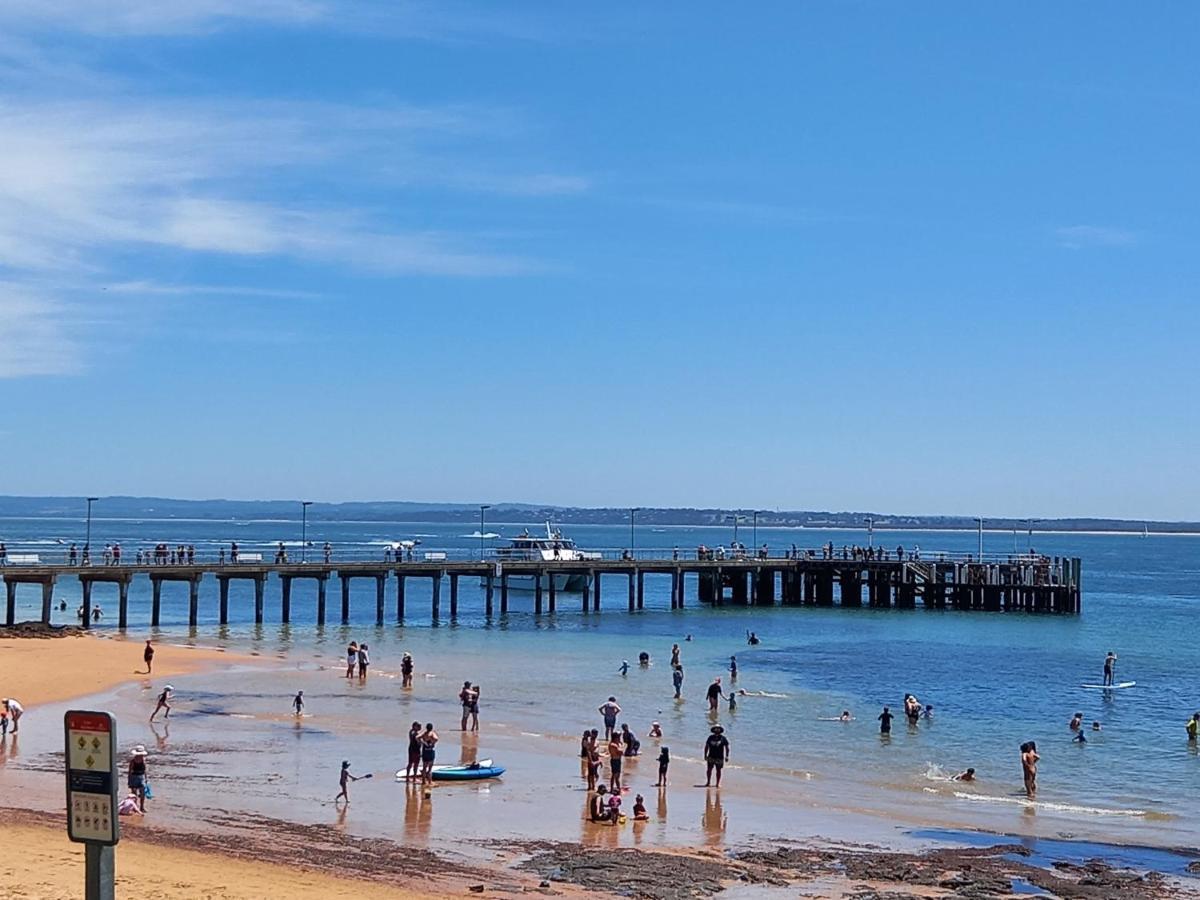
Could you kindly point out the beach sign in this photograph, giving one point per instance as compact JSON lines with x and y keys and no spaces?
{"x":92,"y":777}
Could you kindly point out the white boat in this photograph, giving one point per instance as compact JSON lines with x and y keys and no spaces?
{"x":553,"y":548}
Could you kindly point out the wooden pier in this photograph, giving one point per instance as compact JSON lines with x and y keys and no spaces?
{"x":1025,"y":584}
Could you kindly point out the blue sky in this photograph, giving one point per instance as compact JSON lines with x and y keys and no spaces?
{"x":930,"y":258}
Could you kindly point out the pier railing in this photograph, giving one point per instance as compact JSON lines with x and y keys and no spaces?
{"x":37,"y":555}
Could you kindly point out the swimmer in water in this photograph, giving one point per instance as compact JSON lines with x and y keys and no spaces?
{"x":733,"y":668}
{"x":968,"y":775}
{"x":845,"y":716}
{"x":751,"y":638}
{"x":624,"y":667}
{"x":655,"y":730}
{"x":1076,"y":721}
{"x":1095,"y":726}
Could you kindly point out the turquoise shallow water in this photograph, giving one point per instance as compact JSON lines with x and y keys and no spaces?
{"x":995,"y":680}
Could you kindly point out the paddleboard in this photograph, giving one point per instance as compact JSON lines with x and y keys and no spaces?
{"x":1109,"y":687}
{"x":482,"y":764}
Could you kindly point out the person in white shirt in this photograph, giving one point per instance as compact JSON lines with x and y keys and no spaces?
{"x":15,"y":710}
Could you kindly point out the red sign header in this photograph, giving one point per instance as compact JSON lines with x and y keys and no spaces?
{"x":80,"y":721}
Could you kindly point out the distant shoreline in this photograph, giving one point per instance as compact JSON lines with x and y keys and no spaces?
{"x":315,"y":519}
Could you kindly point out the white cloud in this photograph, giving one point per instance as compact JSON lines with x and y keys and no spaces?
{"x":37,"y":336}
{"x":147,"y":17}
{"x":1076,"y":237}
{"x":78,"y":179}
{"x":146,"y":288}
{"x":440,"y":20}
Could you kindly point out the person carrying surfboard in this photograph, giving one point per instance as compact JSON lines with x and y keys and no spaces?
{"x":1110,"y":663}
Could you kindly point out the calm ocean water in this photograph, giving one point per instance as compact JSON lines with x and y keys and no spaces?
{"x":995,"y":680}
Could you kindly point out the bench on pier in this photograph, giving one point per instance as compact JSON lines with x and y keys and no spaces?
{"x":24,"y":559}
{"x":435,"y":556}
{"x":249,"y":558}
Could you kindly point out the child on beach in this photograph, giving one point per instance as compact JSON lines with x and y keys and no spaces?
{"x":163,"y":703}
{"x":344,"y":781}
{"x":639,"y":809}
{"x":664,"y":763}
{"x":298,"y":703}
{"x":593,"y":767}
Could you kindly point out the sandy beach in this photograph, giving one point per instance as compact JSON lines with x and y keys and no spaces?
{"x":45,"y":670}
{"x":41,"y":864}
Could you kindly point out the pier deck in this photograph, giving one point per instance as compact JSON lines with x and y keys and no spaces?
{"x":1020,"y":583}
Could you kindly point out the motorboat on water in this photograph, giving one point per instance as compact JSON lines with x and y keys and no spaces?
{"x":553,"y":548}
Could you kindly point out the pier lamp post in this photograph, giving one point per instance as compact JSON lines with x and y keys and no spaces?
{"x":1029,"y":523}
{"x":870,"y":531}
{"x":304,"y":505}
{"x":736,"y":519}
{"x":482,"y":508}
{"x":87,"y":541}
{"x":979,"y":519}
{"x":632,"y":511}
{"x":754,"y":533}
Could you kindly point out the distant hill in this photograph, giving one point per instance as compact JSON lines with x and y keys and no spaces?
{"x":408,"y":511}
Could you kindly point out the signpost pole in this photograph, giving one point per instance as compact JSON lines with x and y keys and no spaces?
{"x":100,"y":862}
{"x":92,"y":809}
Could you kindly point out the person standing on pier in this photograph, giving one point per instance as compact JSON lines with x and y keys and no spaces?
{"x":328,"y":553}
{"x":72,"y":555}
{"x":116,"y":554}
{"x":610,"y":709}
{"x":1110,"y":663}
{"x":233,"y":552}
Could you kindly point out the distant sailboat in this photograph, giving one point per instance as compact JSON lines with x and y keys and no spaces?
{"x":1145,"y":530}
